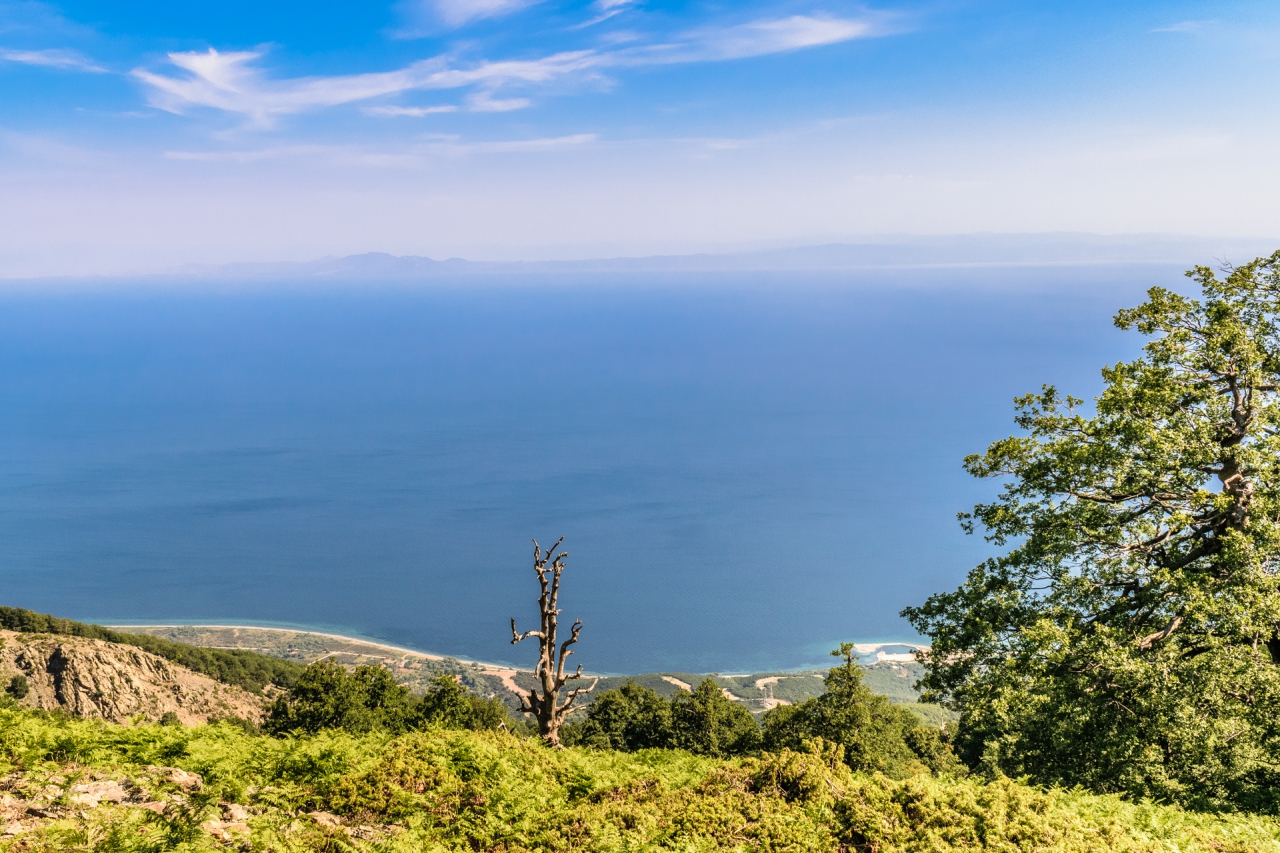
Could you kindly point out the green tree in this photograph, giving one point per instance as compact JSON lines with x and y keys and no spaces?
{"x":628,"y":718}
{"x":705,"y":721}
{"x":876,"y":734}
{"x":1127,"y":639}
{"x":18,"y":687}
{"x":447,"y":703}
{"x":326,"y":696}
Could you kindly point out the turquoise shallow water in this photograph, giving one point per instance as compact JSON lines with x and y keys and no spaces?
{"x":747,"y":468}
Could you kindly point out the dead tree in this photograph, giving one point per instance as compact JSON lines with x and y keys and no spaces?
{"x":545,"y":704}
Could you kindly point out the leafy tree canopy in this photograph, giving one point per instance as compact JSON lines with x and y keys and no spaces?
{"x":628,"y":718}
{"x":327,"y":696}
{"x":874,"y":733}
{"x":1127,"y":638}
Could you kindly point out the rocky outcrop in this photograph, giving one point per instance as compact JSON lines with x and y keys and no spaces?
{"x":97,"y":679}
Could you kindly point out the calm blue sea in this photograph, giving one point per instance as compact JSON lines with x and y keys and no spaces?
{"x":747,"y":468}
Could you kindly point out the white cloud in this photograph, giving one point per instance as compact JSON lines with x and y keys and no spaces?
{"x":765,"y":37}
{"x":758,"y":38}
{"x":415,"y":112}
{"x":227,"y":81}
{"x":67,"y":59}
{"x":410,"y":156}
{"x":608,"y":8}
{"x":1184,"y":27}
{"x":545,"y":144}
{"x":232,"y":83}
{"x":455,"y":13}
{"x":484,"y":102}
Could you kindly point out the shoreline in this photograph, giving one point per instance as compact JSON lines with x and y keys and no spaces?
{"x":487,"y":665}
{"x":500,"y":668}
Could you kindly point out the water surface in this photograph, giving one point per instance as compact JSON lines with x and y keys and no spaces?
{"x":747,"y":468}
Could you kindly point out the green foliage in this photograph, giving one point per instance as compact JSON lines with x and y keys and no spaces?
{"x":449,"y":704}
{"x":452,"y":791}
{"x":170,"y":718}
{"x":249,"y":670}
{"x":634,"y":717}
{"x":18,"y":687}
{"x":629,"y":718}
{"x":706,"y":722}
{"x":873,"y":733}
{"x":326,"y":696}
{"x":1127,"y":641}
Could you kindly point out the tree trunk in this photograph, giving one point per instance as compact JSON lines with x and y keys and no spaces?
{"x":543,"y":702}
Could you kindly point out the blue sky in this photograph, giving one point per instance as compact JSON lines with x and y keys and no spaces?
{"x":140,"y":135}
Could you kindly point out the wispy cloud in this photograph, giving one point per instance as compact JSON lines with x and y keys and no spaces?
{"x":229,"y":82}
{"x":764,"y":37}
{"x":432,"y":146}
{"x":65,"y":59}
{"x":1184,"y":27}
{"x":484,"y":102}
{"x":233,"y":83}
{"x":608,"y":8}
{"x":415,"y":112}
{"x":456,"y":13}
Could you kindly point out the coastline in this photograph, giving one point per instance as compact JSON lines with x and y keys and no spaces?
{"x":486,"y":665}
{"x":864,"y":650}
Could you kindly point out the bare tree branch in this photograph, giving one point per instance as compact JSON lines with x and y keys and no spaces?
{"x":543,"y":701}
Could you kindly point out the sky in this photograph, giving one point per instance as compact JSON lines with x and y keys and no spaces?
{"x":138,"y":136}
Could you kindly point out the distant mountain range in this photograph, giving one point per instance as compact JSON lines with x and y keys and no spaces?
{"x":871,"y":253}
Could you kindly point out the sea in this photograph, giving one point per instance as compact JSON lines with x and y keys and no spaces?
{"x":746,"y":467}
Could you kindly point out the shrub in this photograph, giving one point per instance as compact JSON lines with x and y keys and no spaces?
{"x":876,"y":734}
{"x":326,"y":696}
{"x":628,"y":718}
{"x":18,"y":687}
{"x":706,"y":722}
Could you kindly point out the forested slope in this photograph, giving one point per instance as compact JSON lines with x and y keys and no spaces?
{"x":76,"y":785}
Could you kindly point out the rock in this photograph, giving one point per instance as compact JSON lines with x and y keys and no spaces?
{"x":235,"y":812}
{"x":108,"y":791}
{"x":325,"y":819}
{"x":185,"y":780}
{"x":88,"y":801}
{"x":109,"y":681}
{"x":222,"y":830}
{"x":155,"y":806}
{"x":15,"y":828}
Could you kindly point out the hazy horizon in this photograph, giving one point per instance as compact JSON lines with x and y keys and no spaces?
{"x":144,"y":135}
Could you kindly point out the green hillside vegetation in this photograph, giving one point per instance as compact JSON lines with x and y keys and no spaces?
{"x":249,"y":670}
{"x":1127,"y":636}
{"x":452,"y":790}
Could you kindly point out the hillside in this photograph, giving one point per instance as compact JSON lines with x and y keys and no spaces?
{"x":757,"y":691}
{"x":75,"y":785}
{"x":110,"y":681}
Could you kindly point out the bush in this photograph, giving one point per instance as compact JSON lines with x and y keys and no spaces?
{"x":18,"y":687}
{"x":875,"y":734}
{"x":447,"y":703}
{"x":326,"y":696}
{"x":458,"y":792}
{"x":628,"y":718}
{"x":706,"y":722}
